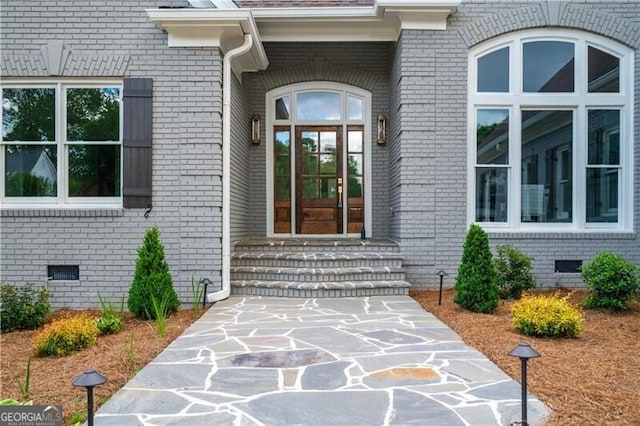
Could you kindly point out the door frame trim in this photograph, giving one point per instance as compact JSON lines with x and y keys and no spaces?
{"x":270,"y":122}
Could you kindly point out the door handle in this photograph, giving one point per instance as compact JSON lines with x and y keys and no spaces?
{"x":339,"y":193}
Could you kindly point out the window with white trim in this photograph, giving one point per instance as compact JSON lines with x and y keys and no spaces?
{"x":551,"y":133}
{"x":61,"y":144}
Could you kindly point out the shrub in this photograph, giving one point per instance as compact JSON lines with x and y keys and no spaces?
{"x":66,"y":336}
{"x":476,"y":288}
{"x":611,"y":281}
{"x":111,"y":320}
{"x":23,"y":307}
{"x":513,"y":272}
{"x":152,"y":279}
{"x":550,"y":316}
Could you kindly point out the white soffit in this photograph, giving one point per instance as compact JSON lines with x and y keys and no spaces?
{"x":381,"y":22}
{"x":223,"y":28}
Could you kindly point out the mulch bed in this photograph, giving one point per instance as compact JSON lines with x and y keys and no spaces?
{"x":51,"y":377}
{"x":590,"y":380}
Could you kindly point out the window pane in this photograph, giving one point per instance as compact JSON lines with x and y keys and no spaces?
{"x":604,"y":137}
{"x":355,"y":164}
{"x":491,"y":194}
{"x":310,"y":164}
{"x":283,"y":190}
{"x":328,"y":164}
{"x":283,"y":108}
{"x":355,"y":187}
{"x":355,"y":141}
{"x":548,"y":66}
{"x":93,"y":114}
{"x":283,"y":142}
{"x":355,"y":108}
{"x":318,"y":106}
{"x":604,"y":72}
{"x":602,"y":195}
{"x":94,"y":170}
{"x":493,"y":71}
{"x":492,"y":136}
{"x":547,"y":142}
{"x":327,"y":141}
{"x":282,"y":166}
{"x":28,"y":114}
{"x":310,"y":141}
{"x":30,"y":171}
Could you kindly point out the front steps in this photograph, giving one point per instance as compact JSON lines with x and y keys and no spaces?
{"x":317,"y":268}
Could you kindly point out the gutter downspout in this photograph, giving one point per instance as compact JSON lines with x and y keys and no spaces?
{"x":227,"y":75}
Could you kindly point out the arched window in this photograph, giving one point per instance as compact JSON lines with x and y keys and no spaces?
{"x":551,"y":133}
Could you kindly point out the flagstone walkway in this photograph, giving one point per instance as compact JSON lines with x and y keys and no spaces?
{"x":340,"y":361}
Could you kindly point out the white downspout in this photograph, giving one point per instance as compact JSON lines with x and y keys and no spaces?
{"x":226,"y":166}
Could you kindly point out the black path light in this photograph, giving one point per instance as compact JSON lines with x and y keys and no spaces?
{"x":206,"y":282}
{"x":441,"y":274}
{"x":89,"y":379}
{"x":524,"y":351}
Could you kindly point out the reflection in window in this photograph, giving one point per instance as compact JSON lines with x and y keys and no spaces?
{"x":282,"y":168}
{"x":318,"y":106}
{"x":604,"y":72}
{"x":355,"y":108}
{"x":28,"y":114}
{"x":30,"y":171}
{"x":547,"y":194}
{"x":493,"y":71}
{"x":355,"y":162}
{"x":94,"y":170}
{"x":491,"y":194}
{"x":603,"y":165}
{"x":548,"y":66}
{"x":93,"y":114}
{"x":282,"y":108}
{"x":492,"y":136}
{"x":492,"y":144}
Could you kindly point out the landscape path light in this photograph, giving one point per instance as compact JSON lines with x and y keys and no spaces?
{"x":524,"y":351}
{"x":206,"y":282}
{"x":441,"y":274}
{"x":88,"y":380}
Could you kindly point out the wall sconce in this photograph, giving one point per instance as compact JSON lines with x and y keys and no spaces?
{"x":382,"y":129}
{"x":255,"y":129}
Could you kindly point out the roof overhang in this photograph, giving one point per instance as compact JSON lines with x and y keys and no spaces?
{"x":225,"y":28}
{"x":381,"y":22}
{"x":222,"y":28}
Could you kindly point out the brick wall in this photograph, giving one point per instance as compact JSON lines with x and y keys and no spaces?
{"x":118,"y":39}
{"x":428,"y":163}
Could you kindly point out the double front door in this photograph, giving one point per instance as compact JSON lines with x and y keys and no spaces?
{"x":326,"y":184}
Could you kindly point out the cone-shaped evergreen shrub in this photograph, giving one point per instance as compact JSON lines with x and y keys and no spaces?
{"x":476,"y":288}
{"x":152,"y":279}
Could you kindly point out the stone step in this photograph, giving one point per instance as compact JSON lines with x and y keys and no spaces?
{"x":346,"y":245}
{"x":316,"y":260}
{"x":320,"y":289}
{"x":296,"y":267}
{"x":362,"y":273}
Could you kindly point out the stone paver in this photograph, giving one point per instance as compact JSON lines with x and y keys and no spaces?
{"x":254,"y":360}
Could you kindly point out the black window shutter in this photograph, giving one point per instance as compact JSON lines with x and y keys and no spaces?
{"x":136,"y":143}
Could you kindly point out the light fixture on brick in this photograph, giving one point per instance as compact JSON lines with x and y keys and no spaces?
{"x":255,"y":129}
{"x":382,"y":129}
